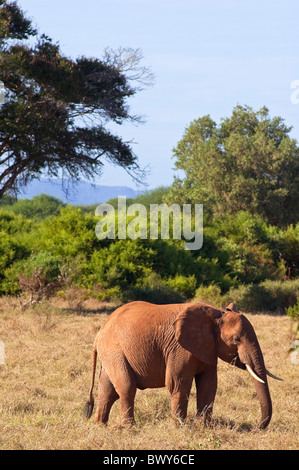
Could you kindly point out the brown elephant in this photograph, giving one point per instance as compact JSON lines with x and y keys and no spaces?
{"x":142,"y":345}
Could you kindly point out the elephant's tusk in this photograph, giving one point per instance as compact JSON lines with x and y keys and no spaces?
{"x":273,"y":376}
{"x":253,"y":374}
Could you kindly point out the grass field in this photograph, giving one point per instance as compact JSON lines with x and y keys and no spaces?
{"x":45,"y":380}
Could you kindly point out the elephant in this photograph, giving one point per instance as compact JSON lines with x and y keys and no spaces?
{"x":143,"y":345}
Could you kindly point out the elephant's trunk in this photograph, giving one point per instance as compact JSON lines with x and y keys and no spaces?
{"x":250,"y":354}
{"x":263,"y":394}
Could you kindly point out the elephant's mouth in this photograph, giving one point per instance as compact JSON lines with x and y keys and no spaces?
{"x":236,"y":361}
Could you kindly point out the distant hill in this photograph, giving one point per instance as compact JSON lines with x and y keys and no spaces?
{"x":82,"y":193}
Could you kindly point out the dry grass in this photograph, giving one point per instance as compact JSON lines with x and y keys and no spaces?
{"x":45,"y":382}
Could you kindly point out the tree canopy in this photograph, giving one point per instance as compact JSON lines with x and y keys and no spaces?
{"x":55,"y":115}
{"x":248,"y":162}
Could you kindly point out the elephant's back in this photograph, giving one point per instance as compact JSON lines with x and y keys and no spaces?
{"x":138,"y":325}
{"x":142,"y":315}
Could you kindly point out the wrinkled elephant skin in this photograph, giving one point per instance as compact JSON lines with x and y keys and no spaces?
{"x":143,"y":345}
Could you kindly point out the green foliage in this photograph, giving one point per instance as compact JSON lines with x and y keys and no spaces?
{"x":13,"y":24}
{"x":14,"y":224}
{"x":124,"y":263}
{"x":39,"y":207}
{"x":293,"y":312}
{"x":40,"y":275}
{"x":13,"y":246}
{"x":272,"y":296}
{"x":68,"y":235}
{"x":288,"y":249}
{"x":45,"y":267}
{"x":48,"y":265}
{"x":153,"y":196}
{"x":7,"y":200}
{"x":11,"y":251}
{"x":242,"y":260}
{"x":154,"y":290}
{"x":185,"y":285}
{"x":241,"y":249}
{"x":247,"y":163}
{"x":268,"y":295}
{"x":209,"y":294}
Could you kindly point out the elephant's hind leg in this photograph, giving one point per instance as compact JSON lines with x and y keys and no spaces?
{"x":125,"y":385}
{"x":127,"y":391}
{"x":107,"y":395}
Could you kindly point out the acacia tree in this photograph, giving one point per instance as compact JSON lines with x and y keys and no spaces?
{"x":248,"y":162}
{"x":55,"y":115}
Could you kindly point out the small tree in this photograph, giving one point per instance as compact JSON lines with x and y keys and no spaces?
{"x":249,"y":162}
{"x":293,"y":313}
{"x":54,"y":117}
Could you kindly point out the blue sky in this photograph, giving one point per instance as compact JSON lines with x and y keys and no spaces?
{"x":207,"y":56}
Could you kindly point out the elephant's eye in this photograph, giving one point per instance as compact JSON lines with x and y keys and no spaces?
{"x":235,"y":339}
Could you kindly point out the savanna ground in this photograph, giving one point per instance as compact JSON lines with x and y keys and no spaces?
{"x":45,"y":380}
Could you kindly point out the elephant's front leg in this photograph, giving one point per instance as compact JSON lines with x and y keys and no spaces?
{"x":206,"y":386}
{"x":179,"y":389}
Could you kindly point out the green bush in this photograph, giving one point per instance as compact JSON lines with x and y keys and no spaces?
{"x":210,"y":294}
{"x":38,"y":208}
{"x":153,"y":290}
{"x":293,"y":312}
{"x":244,"y":246}
{"x":108,"y":294}
{"x":14,"y":225}
{"x":48,"y":265}
{"x":266,"y":296}
{"x":68,"y":235}
{"x":288,"y":249}
{"x":36,"y":272}
{"x":252,"y":297}
{"x":123,"y":263}
{"x":242,"y":260}
{"x":185,"y":285}
{"x":14,"y":247}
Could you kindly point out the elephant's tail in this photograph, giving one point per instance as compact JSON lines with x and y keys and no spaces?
{"x":88,"y":408}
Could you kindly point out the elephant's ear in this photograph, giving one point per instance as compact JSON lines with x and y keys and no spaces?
{"x":195,"y":331}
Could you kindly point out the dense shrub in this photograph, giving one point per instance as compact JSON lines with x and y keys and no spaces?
{"x":153,"y":290}
{"x":293,"y":313}
{"x":68,"y":235}
{"x":185,"y":285}
{"x":242,"y":260}
{"x":14,"y":247}
{"x":209,"y":294}
{"x":123,"y":263}
{"x":287,"y":248}
{"x":247,"y":246}
{"x":38,"y":208}
{"x":268,"y":295}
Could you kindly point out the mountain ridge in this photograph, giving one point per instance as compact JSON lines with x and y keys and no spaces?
{"x":80,"y":193}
